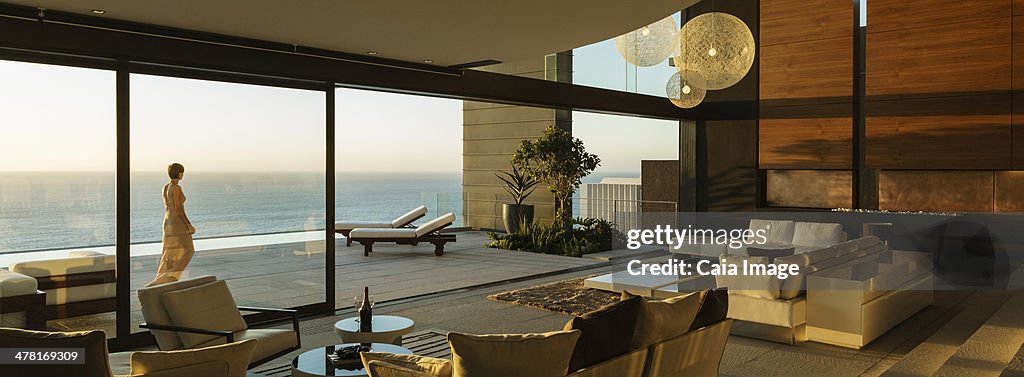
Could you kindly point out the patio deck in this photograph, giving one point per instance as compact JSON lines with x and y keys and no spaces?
{"x":292,"y":274}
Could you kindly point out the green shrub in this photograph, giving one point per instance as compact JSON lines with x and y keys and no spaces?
{"x":587,"y":235}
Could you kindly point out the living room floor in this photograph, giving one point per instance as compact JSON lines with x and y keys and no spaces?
{"x":471,"y":311}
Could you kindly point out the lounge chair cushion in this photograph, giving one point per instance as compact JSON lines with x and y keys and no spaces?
{"x":606,"y":332}
{"x":383,"y":233}
{"x":236,"y":356}
{"x":271,"y":341}
{"x":155,"y":312}
{"x":779,"y":232}
{"x":349,"y":225}
{"x":409,"y":217}
{"x":390,"y":364}
{"x":208,"y":306}
{"x":435,"y":224}
{"x":664,"y":319}
{"x":512,"y":355}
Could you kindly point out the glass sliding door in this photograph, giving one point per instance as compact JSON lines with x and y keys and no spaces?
{"x":57,"y":163}
{"x":254,"y":162}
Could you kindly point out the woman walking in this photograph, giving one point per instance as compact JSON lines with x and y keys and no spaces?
{"x":177,"y":241}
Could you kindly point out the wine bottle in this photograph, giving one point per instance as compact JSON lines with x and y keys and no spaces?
{"x":365,"y":312}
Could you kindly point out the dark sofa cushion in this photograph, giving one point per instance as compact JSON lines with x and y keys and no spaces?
{"x":606,"y":332}
{"x":93,"y":343}
{"x":714,"y":307}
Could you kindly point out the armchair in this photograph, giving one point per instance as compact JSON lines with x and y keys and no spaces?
{"x":200,"y":312}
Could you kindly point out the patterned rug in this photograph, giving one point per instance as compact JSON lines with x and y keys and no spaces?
{"x":567,"y":297}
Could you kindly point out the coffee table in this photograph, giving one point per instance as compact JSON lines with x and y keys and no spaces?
{"x":386,"y":329}
{"x":314,"y":363}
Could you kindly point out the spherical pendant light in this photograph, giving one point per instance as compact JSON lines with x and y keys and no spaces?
{"x":649,"y":45}
{"x":719,"y":46}
{"x":686,"y":88}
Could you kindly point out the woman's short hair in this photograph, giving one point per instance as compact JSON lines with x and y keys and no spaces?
{"x":175,"y":170}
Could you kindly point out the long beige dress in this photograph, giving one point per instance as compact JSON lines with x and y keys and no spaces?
{"x":177,"y":241}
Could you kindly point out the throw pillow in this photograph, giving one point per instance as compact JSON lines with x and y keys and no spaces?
{"x":661,"y":320}
{"x":605,"y":332}
{"x":94,"y":343}
{"x":512,"y":355}
{"x":208,"y":306}
{"x":235,"y":355}
{"x":406,"y":364}
{"x":714,"y":307}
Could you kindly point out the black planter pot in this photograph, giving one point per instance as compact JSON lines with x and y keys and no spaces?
{"x":512,"y":215}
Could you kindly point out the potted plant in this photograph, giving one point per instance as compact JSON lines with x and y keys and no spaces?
{"x":559,"y":160}
{"x":519,"y":186}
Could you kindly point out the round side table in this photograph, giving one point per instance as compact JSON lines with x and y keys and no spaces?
{"x":314,"y":363}
{"x":386,"y":329}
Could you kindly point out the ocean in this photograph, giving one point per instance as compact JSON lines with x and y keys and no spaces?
{"x":45,"y":211}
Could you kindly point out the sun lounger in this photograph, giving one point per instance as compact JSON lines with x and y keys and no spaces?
{"x":344,"y":227}
{"x":428,"y":232}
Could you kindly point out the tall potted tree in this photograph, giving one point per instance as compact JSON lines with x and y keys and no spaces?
{"x":559,"y":160}
{"x":519,"y":186}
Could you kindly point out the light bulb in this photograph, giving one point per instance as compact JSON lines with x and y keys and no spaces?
{"x":686,"y":89}
{"x":712,"y":52}
{"x":645,"y":31}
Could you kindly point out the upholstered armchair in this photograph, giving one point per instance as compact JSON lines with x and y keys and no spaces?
{"x":201,"y":312}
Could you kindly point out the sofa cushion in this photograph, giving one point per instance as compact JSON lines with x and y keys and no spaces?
{"x":235,"y":355}
{"x":848,"y":247}
{"x":817,"y":234}
{"x":786,"y":313}
{"x":405,"y":365}
{"x":94,"y":344}
{"x":154,"y":311}
{"x":519,"y":355}
{"x":663,"y":319}
{"x":216,"y":368}
{"x":208,"y":306}
{"x":771,"y":253}
{"x":714,"y":308}
{"x":606,"y":332}
{"x":409,"y":217}
{"x":763,"y":286}
{"x":779,"y":232}
{"x":435,"y":224}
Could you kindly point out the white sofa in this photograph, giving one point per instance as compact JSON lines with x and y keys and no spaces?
{"x":83,"y":283}
{"x":775,"y":309}
{"x":780,"y":234}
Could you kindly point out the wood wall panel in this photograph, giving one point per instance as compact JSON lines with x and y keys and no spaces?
{"x":806,"y":137}
{"x":810,"y":188}
{"x":1017,"y":116}
{"x":1018,"y":7}
{"x":1009,"y":191}
{"x":953,"y":191}
{"x":887,"y":15}
{"x":969,"y":57}
{"x":787,"y":21}
{"x":807,"y":72}
{"x":939,"y":133}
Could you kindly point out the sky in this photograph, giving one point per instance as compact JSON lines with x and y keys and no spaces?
{"x":62,"y":119}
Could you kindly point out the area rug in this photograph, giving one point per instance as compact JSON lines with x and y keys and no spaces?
{"x":567,"y":297}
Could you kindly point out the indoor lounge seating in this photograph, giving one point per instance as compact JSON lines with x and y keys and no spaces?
{"x":229,"y":360}
{"x":81,"y":284}
{"x":426,"y":233}
{"x":201,"y":312}
{"x":636,"y":337}
{"x":345,"y":227}
{"x":778,"y":309}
